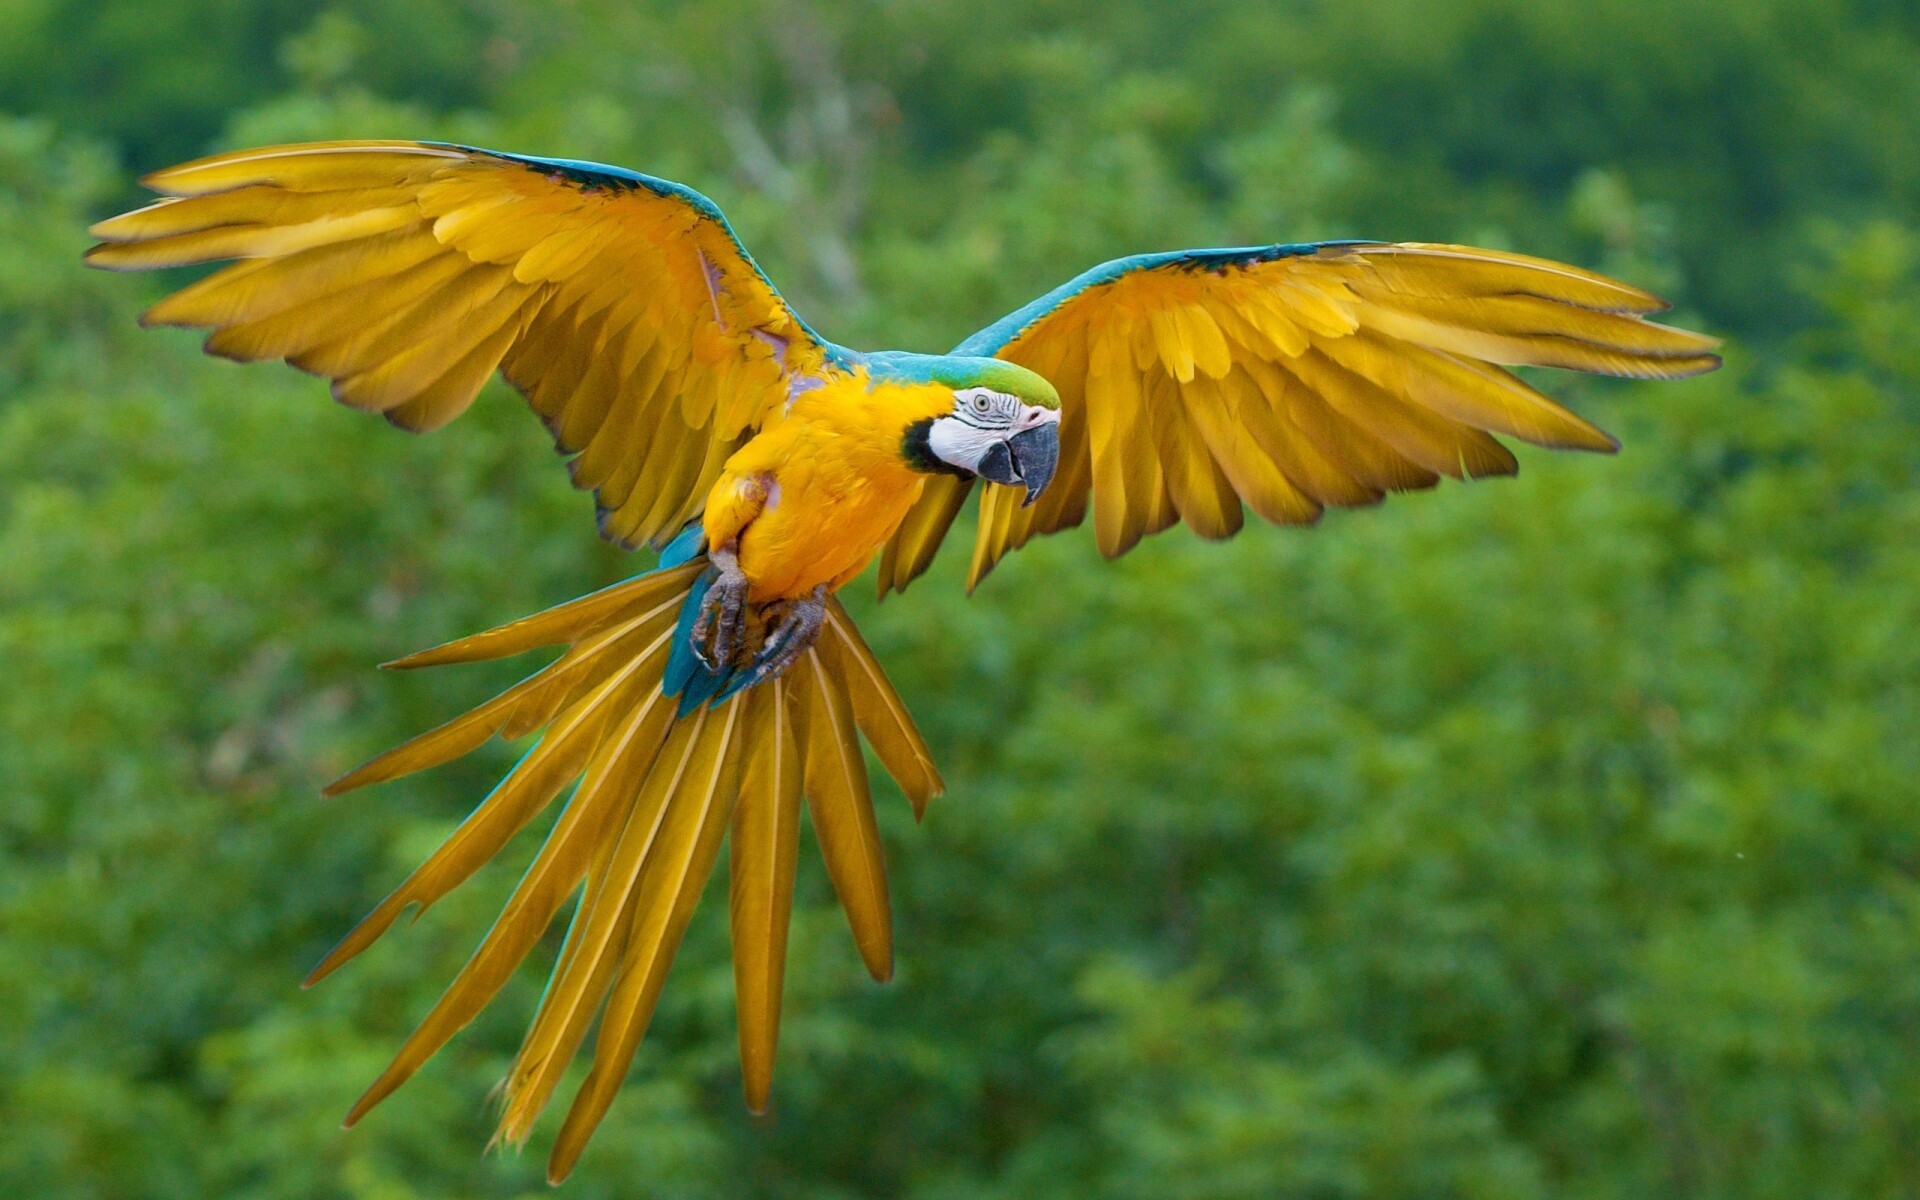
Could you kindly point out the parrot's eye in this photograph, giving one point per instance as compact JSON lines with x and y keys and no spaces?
{"x":981,"y":404}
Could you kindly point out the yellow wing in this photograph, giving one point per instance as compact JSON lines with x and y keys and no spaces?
{"x":621,"y":305}
{"x":1293,"y":378}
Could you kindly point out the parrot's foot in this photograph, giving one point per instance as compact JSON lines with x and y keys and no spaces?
{"x":792,"y":637}
{"x":723,"y":613}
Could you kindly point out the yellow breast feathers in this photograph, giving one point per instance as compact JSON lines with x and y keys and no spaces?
{"x":812,"y":499}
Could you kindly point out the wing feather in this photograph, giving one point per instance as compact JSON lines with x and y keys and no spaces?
{"x":1354,"y":448}
{"x":1250,"y":471}
{"x":592,"y":399}
{"x":323,"y":166}
{"x":438,"y":335}
{"x":241,"y":207}
{"x":339,"y":325}
{"x":1115,"y":411}
{"x":1297,"y":377}
{"x":407,"y":272}
{"x":445,"y":398}
{"x":250,"y":291}
{"x":1423,"y":437}
{"x":911,"y":548}
{"x":1201,"y":494}
{"x":250,"y":241}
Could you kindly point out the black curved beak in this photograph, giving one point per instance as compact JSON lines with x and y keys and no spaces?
{"x":1035,"y":452}
{"x":1027,"y":459}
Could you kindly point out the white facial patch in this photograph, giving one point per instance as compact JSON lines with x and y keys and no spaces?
{"x":981,"y":419}
{"x":955,"y":441}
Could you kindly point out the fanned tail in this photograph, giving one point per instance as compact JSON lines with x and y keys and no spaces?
{"x":640,"y":833}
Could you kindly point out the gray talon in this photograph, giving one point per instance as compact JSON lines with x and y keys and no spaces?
{"x":722,"y":614}
{"x":791,"y":638}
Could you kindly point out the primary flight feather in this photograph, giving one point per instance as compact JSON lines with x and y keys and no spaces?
{"x":704,"y":702}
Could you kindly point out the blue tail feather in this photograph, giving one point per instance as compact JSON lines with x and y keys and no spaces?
{"x":704,"y":686}
{"x":682,"y":663}
{"x":686,"y":544}
{"x":737,"y":681}
{"x":685,"y":675}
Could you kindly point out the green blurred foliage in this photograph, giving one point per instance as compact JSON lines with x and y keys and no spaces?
{"x":1547,"y":837}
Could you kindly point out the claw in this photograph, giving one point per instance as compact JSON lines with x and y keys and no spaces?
{"x":796,"y":632}
{"x":722,"y":616}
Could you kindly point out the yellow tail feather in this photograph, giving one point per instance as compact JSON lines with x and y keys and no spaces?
{"x":641,"y":832}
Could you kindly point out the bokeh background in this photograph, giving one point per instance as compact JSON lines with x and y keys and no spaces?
{"x":1556,"y":836}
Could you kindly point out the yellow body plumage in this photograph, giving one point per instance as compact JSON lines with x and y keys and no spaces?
{"x":815,"y":497}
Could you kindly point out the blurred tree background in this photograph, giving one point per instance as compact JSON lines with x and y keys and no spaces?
{"x":1548,"y":837}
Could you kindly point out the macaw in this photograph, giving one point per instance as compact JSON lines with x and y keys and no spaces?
{"x":726,"y":686}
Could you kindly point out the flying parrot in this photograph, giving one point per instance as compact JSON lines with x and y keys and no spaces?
{"x":708,"y":699}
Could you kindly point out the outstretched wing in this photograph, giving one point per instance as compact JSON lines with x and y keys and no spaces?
{"x":1292,"y":378}
{"x":622,"y":306}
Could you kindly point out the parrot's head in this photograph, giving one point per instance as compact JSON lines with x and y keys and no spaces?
{"x":1004,"y":426}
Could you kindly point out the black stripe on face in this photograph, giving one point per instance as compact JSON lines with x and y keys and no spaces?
{"x":917,"y":448}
